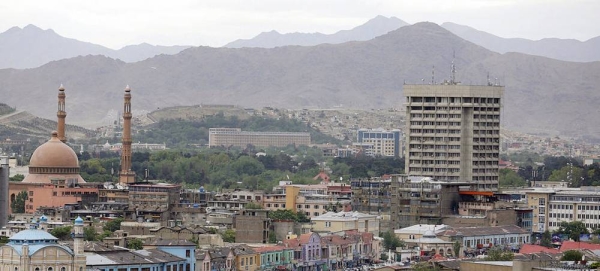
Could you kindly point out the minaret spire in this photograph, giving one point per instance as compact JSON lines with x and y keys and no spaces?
{"x":126,"y":175}
{"x":61,"y":114}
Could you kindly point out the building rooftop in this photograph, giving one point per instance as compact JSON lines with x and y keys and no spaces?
{"x":484,"y":231}
{"x":342,"y":216}
{"x":422,"y":228}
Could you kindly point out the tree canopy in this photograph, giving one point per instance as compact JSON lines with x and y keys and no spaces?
{"x":573,"y":229}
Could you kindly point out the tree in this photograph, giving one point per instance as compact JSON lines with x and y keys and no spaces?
{"x":272,"y":237}
{"x":17,"y":178}
{"x":62,"y":233}
{"x":228,"y":236}
{"x":90,"y":234}
{"x":497,"y":254}
{"x":456,"y":247}
{"x":572,"y":255}
{"x":17,"y":206}
{"x":391,"y":241}
{"x":573,"y":229}
{"x":546,"y":239}
{"x":135,"y":244}
{"x":510,"y":178}
{"x":113,"y":225}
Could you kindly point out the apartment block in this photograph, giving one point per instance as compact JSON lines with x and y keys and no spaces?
{"x":382,"y":142}
{"x":453,"y":132}
{"x":238,"y":138}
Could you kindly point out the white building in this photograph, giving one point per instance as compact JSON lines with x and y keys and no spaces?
{"x":343,"y":221}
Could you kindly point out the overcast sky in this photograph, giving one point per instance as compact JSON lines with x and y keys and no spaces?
{"x":115,"y":23}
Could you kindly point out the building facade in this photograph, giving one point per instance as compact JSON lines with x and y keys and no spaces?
{"x":453,"y":132}
{"x":384,"y":143}
{"x":238,"y":138}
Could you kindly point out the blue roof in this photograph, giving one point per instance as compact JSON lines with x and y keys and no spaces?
{"x":78,"y":221}
{"x":35,"y":248}
{"x":32,"y":235}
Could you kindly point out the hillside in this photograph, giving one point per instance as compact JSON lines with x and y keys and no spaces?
{"x":377,"y":26}
{"x":561,"y":49}
{"x":541,"y":94}
{"x":31,"y":47}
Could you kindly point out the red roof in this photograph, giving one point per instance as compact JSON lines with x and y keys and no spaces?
{"x":570,"y":245}
{"x":529,"y":248}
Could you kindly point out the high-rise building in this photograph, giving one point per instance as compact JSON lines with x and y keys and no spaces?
{"x":453,"y":132}
{"x":384,"y":143}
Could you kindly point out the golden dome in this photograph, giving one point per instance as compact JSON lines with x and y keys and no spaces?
{"x":54,"y":154}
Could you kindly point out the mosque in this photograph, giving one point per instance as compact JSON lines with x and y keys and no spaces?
{"x":54,"y":180}
{"x":37,"y":250}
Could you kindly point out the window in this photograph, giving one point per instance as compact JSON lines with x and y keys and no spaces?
{"x":50,"y":268}
{"x":187,"y":253}
{"x":327,"y":224}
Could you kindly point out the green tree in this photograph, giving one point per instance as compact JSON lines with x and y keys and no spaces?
{"x":497,"y":254}
{"x":62,"y":233}
{"x":228,"y":236}
{"x":572,"y":229}
{"x":509,"y":178}
{"x":570,"y":173}
{"x":135,"y":244}
{"x":17,"y":206}
{"x":391,"y":241}
{"x":272,"y":237}
{"x":572,"y":255}
{"x":456,"y":247}
{"x":90,"y":234}
{"x":17,"y":178}
{"x":113,"y":225}
{"x":546,"y":239}
{"x":283,"y":214}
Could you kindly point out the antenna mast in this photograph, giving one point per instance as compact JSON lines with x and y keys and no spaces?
{"x":433,"y":75}
{"x":453,"y":82}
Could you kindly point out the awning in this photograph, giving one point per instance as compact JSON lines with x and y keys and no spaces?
{"x":477,"y":193}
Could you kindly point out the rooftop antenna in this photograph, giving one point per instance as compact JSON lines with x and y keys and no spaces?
{"x":433,"y":75}
{"x":488,"y":79}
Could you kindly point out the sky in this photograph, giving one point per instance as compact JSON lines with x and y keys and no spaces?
{"x":116,"y":23}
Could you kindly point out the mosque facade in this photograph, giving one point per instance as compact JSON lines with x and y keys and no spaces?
{"x":37,"y":250}
{"x":54,"y":179}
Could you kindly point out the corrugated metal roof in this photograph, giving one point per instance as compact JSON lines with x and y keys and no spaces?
{"x":32,"y":234}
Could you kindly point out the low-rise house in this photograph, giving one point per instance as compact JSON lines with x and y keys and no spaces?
{"x":245,"y":258}
{"x":181,"y":248}
{"x":151,"y":259}
{"x":217,"y":259}
{"x":471,"y":238}
{"x":343,"y":221}
{"x":308,"y":254}
{"x":275,"y":257}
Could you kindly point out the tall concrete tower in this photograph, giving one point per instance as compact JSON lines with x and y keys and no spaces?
{"x":4,"y":191}
{"x":126,"y":175}
{"x":61,"y":114}
{"x":453,"y":132}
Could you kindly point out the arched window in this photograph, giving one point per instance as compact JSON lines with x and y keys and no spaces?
{"x":63,"y":269}
{"x":37,"y":269}
{"x":50,"y":269}
{"x":16,"y":268}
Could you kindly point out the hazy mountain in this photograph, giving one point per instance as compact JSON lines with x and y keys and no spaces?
{"x":542,"y":94}
{"x":32,"y":47}
{"x":375,"y":27}
{"x":562,"y":49}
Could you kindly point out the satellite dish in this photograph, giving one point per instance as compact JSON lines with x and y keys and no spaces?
{"x":341,"y":179}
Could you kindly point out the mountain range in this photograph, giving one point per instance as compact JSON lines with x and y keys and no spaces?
{"x":373,"y":28}
{"x":31,"y":47}
{"x":562,"y":49}
{"x":542,"y":95}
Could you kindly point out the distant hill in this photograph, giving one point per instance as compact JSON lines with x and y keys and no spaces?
{"x":21,"y":125}
{"x":542,"y":94}
{"x":31,"y":47}
{"x":375,"y":27}
{"x":562,"y":49}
